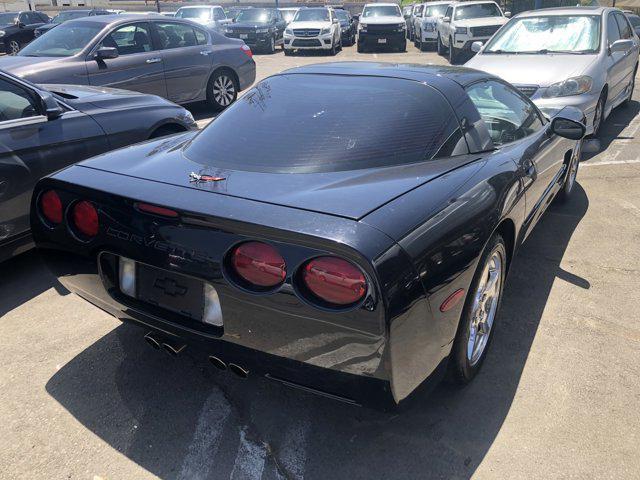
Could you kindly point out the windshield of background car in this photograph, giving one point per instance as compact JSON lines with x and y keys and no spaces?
{"x":312,"y":15}
{"x":63,"y":41}
{"x":381,"y":11}
{"x":325,"y":131}
{"x":435,"y":11}
{"x":7,"y":18}
{"x":64,"y":16}
{"x":566,"y":34}
{"x":343,"y":16}
{"x":257,"y":15}
{"x":288,"y":15}
{"x":479,"y":10}
{"x":200,"y":13}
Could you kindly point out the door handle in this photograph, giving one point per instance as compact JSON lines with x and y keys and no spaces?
{"x":205,"y":52}
{"x":154,"y":60}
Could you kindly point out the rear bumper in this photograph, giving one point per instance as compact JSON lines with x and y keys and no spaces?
{"x":81,"y":276}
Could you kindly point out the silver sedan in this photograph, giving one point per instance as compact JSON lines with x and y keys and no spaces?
{"x":175,"y":59}
{"x":586,"y":57}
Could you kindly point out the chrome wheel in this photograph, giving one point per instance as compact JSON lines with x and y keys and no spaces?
{"x":485,"y":306}
{"x":14,"y":47}
{"x":224,"y":90}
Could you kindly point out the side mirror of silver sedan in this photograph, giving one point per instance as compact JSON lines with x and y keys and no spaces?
{"x":622,"y":45}
{"x":476,"y":47}
{"x":567,"y":128}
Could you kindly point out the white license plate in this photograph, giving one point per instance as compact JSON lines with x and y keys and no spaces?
{"x":382,"y":40}
{"x":244,"y":36}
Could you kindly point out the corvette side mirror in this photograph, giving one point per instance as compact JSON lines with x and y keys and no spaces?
{"x":566,"y":128}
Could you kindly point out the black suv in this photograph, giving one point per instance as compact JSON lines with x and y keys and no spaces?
{"x":17,"y":29}
{"x":260,"y":28}
{"x":67,"y":15}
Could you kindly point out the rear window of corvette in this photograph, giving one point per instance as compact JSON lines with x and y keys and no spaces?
{"x":307,"y":123}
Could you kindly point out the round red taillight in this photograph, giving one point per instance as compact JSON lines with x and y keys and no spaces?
{"x":51,"y":207}
{"x":85,"y":219}
{"x":259,"y":264}
{"x":334,"y":280}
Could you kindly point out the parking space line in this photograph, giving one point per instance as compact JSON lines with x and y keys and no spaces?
{"x":206,"y":439}
{"x":609,"y":162}
{"x":250,"y":459}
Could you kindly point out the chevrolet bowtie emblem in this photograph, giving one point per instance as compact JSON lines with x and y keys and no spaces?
{"x":197,"y":178}
{"x":170,"y":287}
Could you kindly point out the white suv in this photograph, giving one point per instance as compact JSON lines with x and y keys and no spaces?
{"x":382,"y":25}
{"x":467,"y":22}
{"x":313,"y":29}
{"x":425,"y":24}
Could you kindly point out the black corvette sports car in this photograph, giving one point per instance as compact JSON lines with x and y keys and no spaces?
{"x":356,"y":261}
{"x":46,"y":128}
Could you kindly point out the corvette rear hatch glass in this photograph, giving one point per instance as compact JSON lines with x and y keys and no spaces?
{"x":306,"y":123}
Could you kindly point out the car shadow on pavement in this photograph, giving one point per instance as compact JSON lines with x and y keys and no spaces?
{"x":29,"y":278}
{"x":181,"y":418}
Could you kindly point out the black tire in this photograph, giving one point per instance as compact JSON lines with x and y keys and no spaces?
{"x":598,"y":117}
{"x":440,"y":47}
{"x":287,"y":51}
{"x":222,"y":89}
{"x":271,"y":49}
{"x":360,"y":48}
{"x":333,"y":50}
{"x":461,"y":370}
{"x":403,"y":46}
{"x":570,"y":177}
{"x":418,"y":42}
{"x":166,"y":130}
{"x":453,"y":54}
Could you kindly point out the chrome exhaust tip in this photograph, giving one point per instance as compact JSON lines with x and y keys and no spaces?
{"x":151,"y":339}
{"x":173,"y":350}
{"x":238,"y":370}
{"x":216,"y":362}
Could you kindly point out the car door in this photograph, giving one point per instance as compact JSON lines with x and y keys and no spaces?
{"x":187,"y":59}
{"x":32,"y":146}
{"x":444,"y":26}
{"x":630,"y":59}
{"x":281,"y":24}
{"x":25,"y":33}
{"x":517,"y":127}
{"x":138,"y":65}
{"x":615,"y":60}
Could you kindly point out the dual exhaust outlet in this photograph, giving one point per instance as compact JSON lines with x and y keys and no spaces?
{"x":174,"y":349}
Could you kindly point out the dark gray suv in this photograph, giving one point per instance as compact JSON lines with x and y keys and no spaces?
{"x":176,"y":59}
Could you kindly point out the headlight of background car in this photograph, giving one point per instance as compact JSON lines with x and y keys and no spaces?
{"x":325,"y":31}
{"x":401,"y":26}
{"x":570,"y":86}
{"x":461,"y":30}
{"x":288,"y":31}
{"x":362,"y":27}
{"x":2,"y":32}
{"x":228,"y":30}
{"x":262,"y":30}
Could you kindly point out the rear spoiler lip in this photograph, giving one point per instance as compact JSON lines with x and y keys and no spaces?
{"x":269,"y":220}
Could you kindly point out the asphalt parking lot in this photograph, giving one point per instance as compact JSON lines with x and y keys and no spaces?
{"x":83,"y":396}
